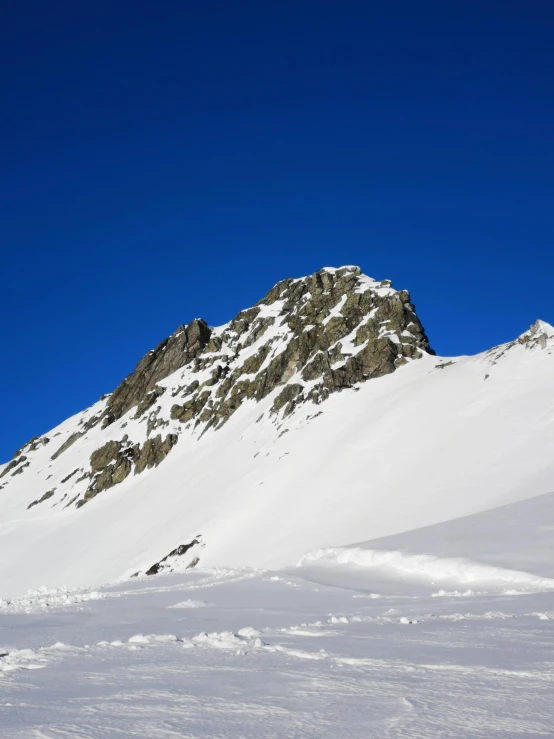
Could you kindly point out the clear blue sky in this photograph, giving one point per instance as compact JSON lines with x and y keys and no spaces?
{"x":166,"y":160}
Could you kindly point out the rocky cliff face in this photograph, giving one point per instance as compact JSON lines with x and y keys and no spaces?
{"x":315,"y":336}
{"x":307,"y":338}
{"x":173,"y":353}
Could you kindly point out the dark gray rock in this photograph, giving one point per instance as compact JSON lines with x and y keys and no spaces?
{"x":46,"y":496}
{"x":320,"y":312}
{"x":341,"y":331}
{"x":17,"y":460}
{"x":113,"y":462}
{"x":67,"y":443}
{"x":153,"y":452}
{"x":172,"y":354}
{"x":102,"y":457}
{"x":177,"y":552}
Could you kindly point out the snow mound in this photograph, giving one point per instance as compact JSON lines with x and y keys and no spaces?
{"x":21,"y":659}
{"x":428,"y":567}
{"x":453,"y":594}
{"x":189,"y":603}
{"x":246,"y":637}
{"x":43,"y":598}
{"x":153,"y":638}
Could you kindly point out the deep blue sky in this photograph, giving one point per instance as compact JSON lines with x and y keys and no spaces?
{"x":166,"y":160}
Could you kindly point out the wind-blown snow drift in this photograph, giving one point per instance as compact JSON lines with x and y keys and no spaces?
{"x":429,"y":568}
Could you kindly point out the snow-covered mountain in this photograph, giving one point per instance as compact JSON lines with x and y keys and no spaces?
{"x":316,"y":419}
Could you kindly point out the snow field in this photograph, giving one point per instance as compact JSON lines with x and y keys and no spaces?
{"x":314,"y":661}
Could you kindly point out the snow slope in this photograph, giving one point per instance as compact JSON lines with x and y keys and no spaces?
{"x":512,"y":537}
{"x":433,"y":440}
{"x":322,"y":650}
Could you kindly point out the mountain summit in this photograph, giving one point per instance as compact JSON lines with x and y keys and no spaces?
{"x":319,"y":416}
{"x":316,"y":335}
{"x":306,"y":339}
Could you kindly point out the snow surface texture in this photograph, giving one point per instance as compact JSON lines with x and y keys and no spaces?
{"x":436,"y":440}
{"x":327,"y":649}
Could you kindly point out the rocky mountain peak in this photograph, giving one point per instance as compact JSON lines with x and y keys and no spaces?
{"x":314,"y":335}
{"x":306,"y":339}
{"x":328,"y":330}
{"x":539,"y":334}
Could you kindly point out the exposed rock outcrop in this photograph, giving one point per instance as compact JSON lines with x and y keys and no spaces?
{"x":13,"y":464}
{"x":46,"y":496}
{"x":113,"y":462}
{"x":170,"y":355}
{"x":67,"y":443}
{"x":329,"y":331}
{"x":19,"y":458}
{"x":166,"y":562}
{"x":539,"y":335}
